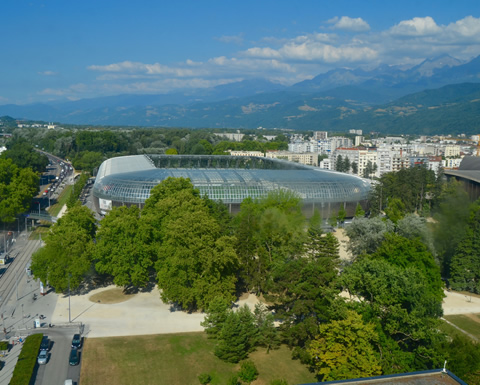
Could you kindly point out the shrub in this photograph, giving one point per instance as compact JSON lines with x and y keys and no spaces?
{"x":3,"y":345}
{"x":233,"y":380}
{"x":26,"y":360}
{"x":248,"y":371}
{"x":204,"y":378}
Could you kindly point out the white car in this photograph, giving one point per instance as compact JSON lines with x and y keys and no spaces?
{"x":42,"y":357}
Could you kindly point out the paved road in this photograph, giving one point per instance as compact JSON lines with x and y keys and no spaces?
{"x":57,"y":369}
{"x":16,"y":288}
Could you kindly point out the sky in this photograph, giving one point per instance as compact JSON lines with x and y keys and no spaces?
{"x":70,"y":50}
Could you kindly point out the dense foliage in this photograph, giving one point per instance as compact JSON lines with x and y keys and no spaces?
{"x":87,"y":148}
{"x":17,"y":188}
{"x":66,"y":258}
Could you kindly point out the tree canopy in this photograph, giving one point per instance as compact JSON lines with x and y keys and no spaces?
{"x":66,"y":257}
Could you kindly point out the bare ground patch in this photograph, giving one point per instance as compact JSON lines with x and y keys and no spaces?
{"x":110,"y":296}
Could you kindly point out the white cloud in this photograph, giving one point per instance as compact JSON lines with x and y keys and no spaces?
{"x":349,"y":24}
{"x":292,"y":59}
{"x":418,"y":26}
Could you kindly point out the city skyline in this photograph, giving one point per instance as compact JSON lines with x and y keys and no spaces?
{"x":54,"y":50}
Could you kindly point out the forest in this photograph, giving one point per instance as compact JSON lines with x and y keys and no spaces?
{"x":376,"y":313}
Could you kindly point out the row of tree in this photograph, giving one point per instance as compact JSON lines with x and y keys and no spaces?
{"x":87,"y":148}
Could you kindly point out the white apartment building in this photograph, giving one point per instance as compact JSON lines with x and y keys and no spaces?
{"x":361,"y":156}
{"x":359,"y":140}
{"x":234,"y":137}
{"x":309,"y":158}
{"x":301,"y":146}
{"x":326,"y":164}
{"x":320,"y":135}
{"x":452,"y":151}
{"x":452,"y":163}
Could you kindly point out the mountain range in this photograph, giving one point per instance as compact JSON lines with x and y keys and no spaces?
{"x":440,"y":95}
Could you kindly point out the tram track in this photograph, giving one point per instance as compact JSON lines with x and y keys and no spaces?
{"x":21,"y":257}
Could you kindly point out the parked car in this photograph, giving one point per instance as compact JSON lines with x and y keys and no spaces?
{"x":76,"y":341}
{"x":42,"y":357}
{"x":74,"y":357}
{"x":45,"y":345}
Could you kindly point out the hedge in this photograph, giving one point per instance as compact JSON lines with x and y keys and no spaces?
{"x":27,"y":360}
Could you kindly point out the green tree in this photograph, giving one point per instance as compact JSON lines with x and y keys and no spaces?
{"x":395,"y":210}
{"x":248,"y":372}
{"x":122,"y":249}
{"x":359,"y":211}
{"x":24,"y":156}
{"x":366,"y":234}
{"x":354,"y":168}
{"x":344,"y":349}
{"x":267,"y":332}
{"x":405,"y":310}
{"x":302,"y":289}
{"x":196,"y":262}
{"x":451,"y":223}
{"x":232,"y":344}
{"x":216,"y":315}
{"x":465,"y":266}
{"x":340,"y":164}
{"x":171,"y":151}
{"x":404,"y":253}
{"x":66,"y":258}
{"x":17,"y":188}
{"x":87,"y":160}
{"x":268,"y":231}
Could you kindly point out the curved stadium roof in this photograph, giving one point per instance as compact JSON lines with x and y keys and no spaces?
{"x":231,"y":185}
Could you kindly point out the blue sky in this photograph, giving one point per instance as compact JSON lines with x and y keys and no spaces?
{"x":65,"y":49}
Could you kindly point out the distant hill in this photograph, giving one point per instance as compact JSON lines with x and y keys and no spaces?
{"x":436,"y":96}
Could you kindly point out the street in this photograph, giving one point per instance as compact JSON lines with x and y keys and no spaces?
{"x":22,"y":304}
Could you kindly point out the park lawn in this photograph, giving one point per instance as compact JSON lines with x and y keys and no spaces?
{"x":470,"y":323}
{"x":176,"y":359}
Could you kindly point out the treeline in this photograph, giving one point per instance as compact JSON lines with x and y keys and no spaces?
{"x":201,"y":258}
{"x":88,"y":148}
{"x":19,"y":178}
{"x":450,"y":235}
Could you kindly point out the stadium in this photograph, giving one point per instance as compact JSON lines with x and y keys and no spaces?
{"x":127,"y":180}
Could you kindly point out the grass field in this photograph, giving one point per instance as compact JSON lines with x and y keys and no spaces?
{"x":62,"y":200}
{"x":176,"y":359}
{"x":468,"y":322}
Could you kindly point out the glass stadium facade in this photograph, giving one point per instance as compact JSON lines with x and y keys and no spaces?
{"x":128,"y":180}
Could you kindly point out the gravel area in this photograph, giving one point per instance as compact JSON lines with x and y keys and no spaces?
{"x":143,"y":313}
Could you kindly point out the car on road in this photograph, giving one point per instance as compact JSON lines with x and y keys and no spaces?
{"x":45,"y":345}
{"x":42,"y":357}
{"x":76,"y":341}
{"x":74,"y":357}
